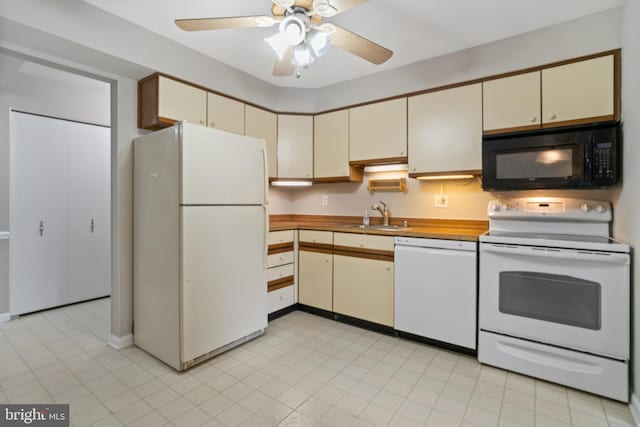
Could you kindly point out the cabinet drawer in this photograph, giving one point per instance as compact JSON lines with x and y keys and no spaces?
{"x":276,"y":273}
{"x":276,"y":237}
{"x":279,"y":259}
{"x":382,"y":243}
{"x":313,"y":236}
{"x":281,"y":298}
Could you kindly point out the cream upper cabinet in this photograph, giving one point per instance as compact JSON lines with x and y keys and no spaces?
{"x":263,"y":124}
{"x":511,"y":103}
{"x":579,"y":91}
{"x":225,"y":113}
{"x":295,"y":146}
{"x":331,"y":145}
{"x":445,"y":130}
{"x":378,"y":131}
{"x":363,"y":288}
{"x":178,"y":101}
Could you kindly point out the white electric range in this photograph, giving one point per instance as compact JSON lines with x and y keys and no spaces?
{"x":554,"y":294}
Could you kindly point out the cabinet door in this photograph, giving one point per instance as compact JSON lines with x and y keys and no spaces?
{"x":378,"y":131}
{"x":363,"y":288}
{"x":225,"y":113}
{"x":315,"y":279}
{"x":581,"y":91}
{"x":511,"y":103}
{"x":295,"y":146}
{"x":38,"y":245}
{"x":331,"y":145}
{"x":264,"y":125}
{"x":445,"y":130}
{"x":178,"y":101}
{"x":89,"y":214}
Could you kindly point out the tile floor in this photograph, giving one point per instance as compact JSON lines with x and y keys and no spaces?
{"x":305,"y":371}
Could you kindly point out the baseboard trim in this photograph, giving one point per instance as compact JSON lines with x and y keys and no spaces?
{"x":120,"y":342}
{"x":5,"y":317}
{"x":634,"y":407}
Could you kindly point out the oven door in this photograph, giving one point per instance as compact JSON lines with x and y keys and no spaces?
{"x":570,"y":298}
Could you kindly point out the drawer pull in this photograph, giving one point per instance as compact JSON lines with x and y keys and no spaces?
{"x":326,"y":259}
{"x":361,"y":245}
{"x":552,"y":117}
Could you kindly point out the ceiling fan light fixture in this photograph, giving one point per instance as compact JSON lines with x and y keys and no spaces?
{"x":294,"y":29}
{"x":319,"y":42}
{"x":302,"y":55}
{"x":278,"y":43}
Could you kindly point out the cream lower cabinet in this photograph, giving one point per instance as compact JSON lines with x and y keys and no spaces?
{"x":363,"y":277}
{"x":281,"y":270}
{"x":225,"y":113}
{"x":315,"y":269}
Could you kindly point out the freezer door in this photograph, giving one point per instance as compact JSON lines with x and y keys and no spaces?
{"x":224,"y":283}
{"x":221,"y":168}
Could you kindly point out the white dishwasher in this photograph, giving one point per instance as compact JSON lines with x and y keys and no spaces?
{"x":436,"y":289}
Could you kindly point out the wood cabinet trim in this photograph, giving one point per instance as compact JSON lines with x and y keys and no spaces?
{"x":513,"y":129}
{"x":283,"y":282}
{"x":375,"y":254}
{"x":279,"y":248}
{"x":321,"y":248}
{"x":607,"y":118}
{"x":386,"y":160}
{"x":474,"y":172}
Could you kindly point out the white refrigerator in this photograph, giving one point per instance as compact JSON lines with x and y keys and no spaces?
{"x":200,"y":242}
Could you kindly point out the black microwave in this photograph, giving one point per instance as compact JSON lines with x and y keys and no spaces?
{"x":575,"y":157}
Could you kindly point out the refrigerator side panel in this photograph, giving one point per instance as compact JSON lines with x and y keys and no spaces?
{"x":221,"y":168}
{"x":156,"y":290}
{"x":224,"y":291}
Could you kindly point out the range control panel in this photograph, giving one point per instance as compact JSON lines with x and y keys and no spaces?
{"x":552,"y":207}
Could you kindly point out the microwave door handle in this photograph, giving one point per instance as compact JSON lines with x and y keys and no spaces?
{"x":609,"y":258}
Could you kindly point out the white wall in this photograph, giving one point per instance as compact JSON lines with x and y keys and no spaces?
{"x":582,"y":36}
{"x":627,"y":215}
{"x":48,"y":95}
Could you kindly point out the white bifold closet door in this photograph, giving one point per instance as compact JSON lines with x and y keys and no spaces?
{"x":59,"y":212}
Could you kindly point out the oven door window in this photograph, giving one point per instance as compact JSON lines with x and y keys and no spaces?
{"x":536,"y":164}
{"x":553,"y":298}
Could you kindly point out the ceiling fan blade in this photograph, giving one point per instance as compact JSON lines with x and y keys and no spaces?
{"x":359,"y":46}
{"x":204,"y":24}
{"x":343,"y":5}
{"x":284,"y":67}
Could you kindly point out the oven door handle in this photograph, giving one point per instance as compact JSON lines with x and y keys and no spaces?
{"x":577,"y":255}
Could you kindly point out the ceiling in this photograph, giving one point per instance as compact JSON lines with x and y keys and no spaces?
{"x":414,"y":29}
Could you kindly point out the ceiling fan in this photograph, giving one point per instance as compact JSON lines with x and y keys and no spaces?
{"x":302,"y":36}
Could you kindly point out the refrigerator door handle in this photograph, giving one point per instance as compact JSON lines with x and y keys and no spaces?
{"x":266,"y":172}
{"x":266,"y":237}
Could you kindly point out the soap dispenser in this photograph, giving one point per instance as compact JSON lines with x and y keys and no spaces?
{"x":365,"y":218}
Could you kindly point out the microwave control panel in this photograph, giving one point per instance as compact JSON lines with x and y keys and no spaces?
{"x":604,"y":167}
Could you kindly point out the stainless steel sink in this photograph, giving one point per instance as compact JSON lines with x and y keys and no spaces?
{"x":376,"y":227}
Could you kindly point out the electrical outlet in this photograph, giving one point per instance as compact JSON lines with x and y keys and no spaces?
{"x":325,"y":200}
{"x":441,"y":201}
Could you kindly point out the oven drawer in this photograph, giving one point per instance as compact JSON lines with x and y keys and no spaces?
{"x":569,"y":298}
{"x":594,"y":374}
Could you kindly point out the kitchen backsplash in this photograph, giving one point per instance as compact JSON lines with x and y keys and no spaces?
{"x":466,"y":200}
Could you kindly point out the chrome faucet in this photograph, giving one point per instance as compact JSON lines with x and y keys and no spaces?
{"x":384,"y":211}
